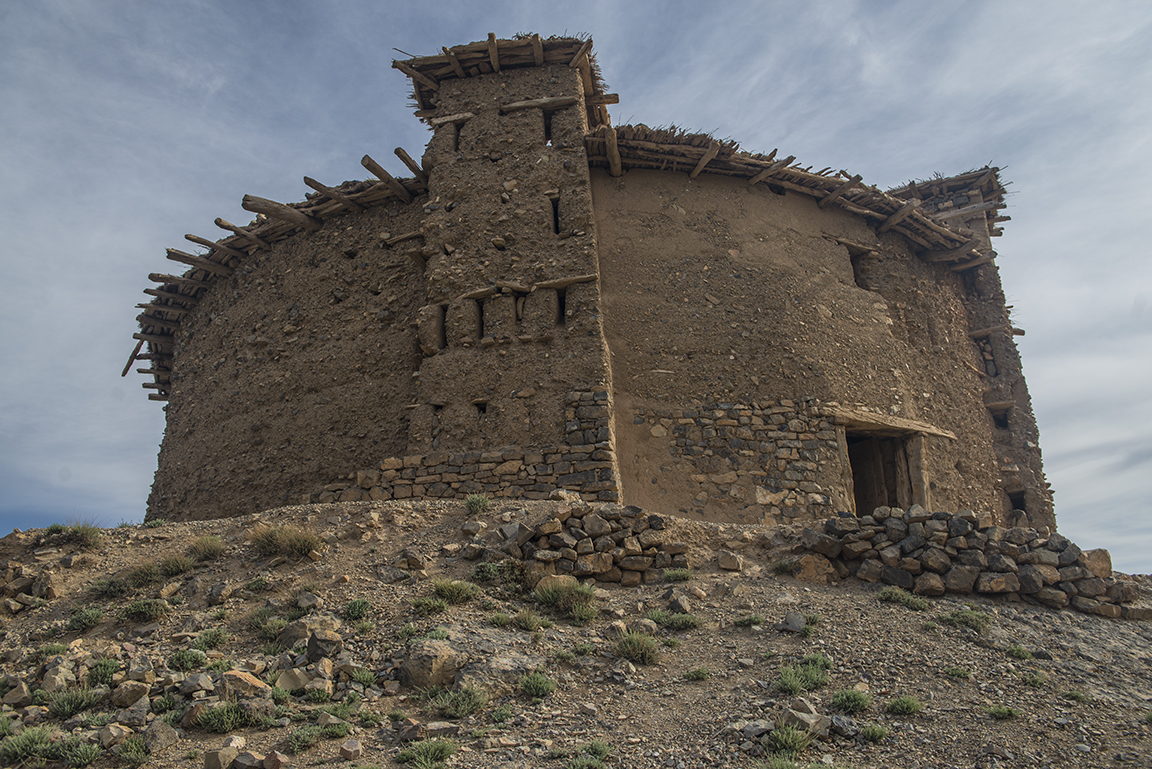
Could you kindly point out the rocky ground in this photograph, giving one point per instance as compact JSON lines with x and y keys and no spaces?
{"x":352,"y":637}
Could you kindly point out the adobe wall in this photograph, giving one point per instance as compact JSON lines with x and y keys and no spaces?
{"x":732,"y":315}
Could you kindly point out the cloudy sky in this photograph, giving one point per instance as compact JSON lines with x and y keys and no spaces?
{"x":125,"y":125}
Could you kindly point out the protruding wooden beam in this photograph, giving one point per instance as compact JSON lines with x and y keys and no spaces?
{"x":178,"y":280}
{"x":779,"y":165}
{"x":232,"y":252}
{"x":413,"y":166}
{"x":132,"y":358}
{"x":406,"y":236}
{"x":1000,"y":405}
{"x":246,"y":234}
{"x":903,"y":213}
{"x":831,"y":197}
{"x":615,"y":166}
{"x":164,"y":372}
{"x":983,"y":332}
{"x":952,"y":254}
{"x":960,"y":213}
{"x":493,"y":51}
{"x":169,"y":308}
{"x":155,"y":385}
{"x":550,"y":103}
{"x":171,"y":295}
{"x":336,"y":195}
{"x":378,"y":171}
{"x":705,"y":159}
{"x":417,"y":76}
{"x":167,"y":325}
{"x":600,"y":99}
{"x":455,"y":62}
{"x":538,"y":50}
{"x":982,"y":259}
{"x":157,"y":397}
{"x":459,"y":117}
{"x":584,"y":49}
{"x":200,"y":263}
{"x":154,"y":338}
{"x":280,"y":211}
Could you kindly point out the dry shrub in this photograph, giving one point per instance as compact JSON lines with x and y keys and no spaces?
{"x":284,"y":539}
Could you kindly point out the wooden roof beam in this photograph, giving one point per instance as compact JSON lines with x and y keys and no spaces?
{"x":171,"y":308}
{"x":581,"y":54}
{"x":243,"y":233}
{"x":160,"y":294}
{"x":177,"y":280}
{"x":493,"y":51}
{"x":200,"y":263}
{"x":167,"y":325}
{"x":538,"y":50}
{"x":223,"y":249}
{"x":959,"y":213}
{"x":831,"y":197}
{"x":705,"y":159}
{"x":903,"y":213}
{"x":154,"y":338}
{"x":132,"y":358}
{"x":293,"y":216}
{"x":615,"y":166}
{"x":420,"y":78}
{"x":413,"y":166}
{"x":336,"y":195}
{"x":455,"y":62}
{"x":549,"y":103}
{"x":779,"y":165}
{"x":952,"y":254}
{"x":378,"y":171}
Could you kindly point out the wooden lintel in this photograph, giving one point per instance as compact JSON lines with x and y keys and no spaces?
{"x":178,"y":280}
{"x":223,"y":249}
{"x":159,"y":294}
{"x":417,"y":76}
{"x":580,"y":54}
{"x":961,"y":213}
{"x":406,"y":236}
{"x":378,"y":171}
{"x":952,"y":254}
{"x":537,"y":50}
{"x":615,"y":166}
{"x":455,"y":62}
{"x":459,"y":117}
{"x":154,"y":338}
{"x":336,"y":195}
{"x":980,"y":333}
{"x":779,"y":165}
{"x":705,"y":159}
{"x":549,"y":103}
{"x":478,"y":293}
{"x":155,"y":385}
{"x":493,"y":51}
{"x":831,"y":197}
{"x":413,"y":166}
{"x":280,"y":211}
{"x":1000,"y":405}
{"x":156,"y":372}
{"x":867,"y":419}
{"x":132,"y":358}
{"x":600,"y":99}
{"x":200,"y":263}
{"x":903,"y":213}
{"x":243,"y":233}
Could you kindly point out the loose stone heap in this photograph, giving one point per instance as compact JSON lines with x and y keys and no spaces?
{"x":933,"y":553}
{"x":610,"y":543}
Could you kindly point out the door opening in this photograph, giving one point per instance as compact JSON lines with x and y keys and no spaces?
{"x":880,"y":472}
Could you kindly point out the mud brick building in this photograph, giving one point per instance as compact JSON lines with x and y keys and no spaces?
{"x":549,"y":301}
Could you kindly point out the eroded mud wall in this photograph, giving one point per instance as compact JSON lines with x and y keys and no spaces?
{"x":721,"y":298}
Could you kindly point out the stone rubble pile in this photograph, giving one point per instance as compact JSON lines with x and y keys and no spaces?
{"x":936,"y":553}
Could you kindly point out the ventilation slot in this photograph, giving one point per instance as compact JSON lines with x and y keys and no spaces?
{"x":547,"y":127}
{"x":561,"y":305}
{"x":443,"y":340}
{"x":556,"y":215}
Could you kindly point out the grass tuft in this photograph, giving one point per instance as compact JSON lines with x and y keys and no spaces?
{"x":893,"y":594}
{"x":427,"y":606}
{"x":102,"y":672}
{"x":749,"y":620}
{"x":285,"y":539}
{"x":175,"y":565}
{"x":477,"y":503}
{"x":969,"y":618}
{"x":789,"y":740}
{"x":537,"y":685}
{"x":455,"y":591}
{"x":851,"y":701}
{"x":65,"y":703}
{"x":1001,"y":712}
{"x":1019,"y":652}
{"x":960,"y":673}
{"x":677,"y":575}
{"x":874,"y":732}
{"x":459,"y":703}
{"x":85,"y":619}
{"x":638,"y":647}
{"x":697,"y":674}
{"x":356,"y":609}
{"x":428,"y":754}
{"x":145,"y":610}
{"x":673,"y":620}
{"x":904,"y":705}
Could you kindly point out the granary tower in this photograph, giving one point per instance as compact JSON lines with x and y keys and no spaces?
{"x":643,"y":316}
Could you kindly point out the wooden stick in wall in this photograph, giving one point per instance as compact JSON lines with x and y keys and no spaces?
{"x":538,"y":50}
{"x":615,"y":166}
{"x":378,"y":171}
{"x":705,"y":159}
{"x":243,"y":233}
{"x":549,"y":103}
{"x":580,"y":54}
{"x":779,"y":165}
{"x":493,"y":51}
{"x":413,"y":166}
{"x":216,"y":268}
{"x":279,"y":211}
{"x":159,"y":294}
{"x":166,"y":325}
{"x":831,"y":197}
{"x":455,"y":62}
{"x":903,"y":213}
{"x":132,"y":358}
{"x":178,"y":280}
{"x":600,"y":99}
{"x":422,"y":79}
{"x":223,"y":249}
{"x":336,"y":195}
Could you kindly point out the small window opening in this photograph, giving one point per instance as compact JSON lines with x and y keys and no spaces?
{"x":547,"y":127}
{"x":1000,"y":419}
{"x":561,"y":305}
{"x":556,"y":215}
{"x":777,"y":189}
{"x":481,"y":407}
{"x":858,"y":273}
{"x":1017,"y":500}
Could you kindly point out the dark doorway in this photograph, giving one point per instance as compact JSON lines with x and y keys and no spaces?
{"x":880,"y":476}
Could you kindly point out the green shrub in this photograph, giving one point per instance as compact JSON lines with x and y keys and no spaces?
{"x":213,"y":638}
{"x":427,"y":606}
{"x":893,"y":594}
{"x":583,"y":649}
{"x":501,"y":714}
{"x":851,"y":701}
{"x":537,"y":685}
{"x":29,"y":747}
{"x":1035,"y":680}
{"x":110,"y":587}
{"x":1148,"y":717}
{"x":1075,"y":696}
{"x":145,"y":610}
{"x":318,"y":695}
{"x":102,"y":672}
{"x":671,"y":642}
{"x":969,"y":618}
{"x":960,"y":673}
{"x":76,"y":753}
{"x":1001,"y":712}
{"x":749,"y":620}
{"x":904,"y":706}
{"x":133,"y":751}
{"x":396,"y":715}
{"x":455,"y":591}
{"x":486,"y":572}
{"x":155,"y":523}
{"x":477,"y":503}
{"x":65,"y":703}
{"x":304,"y":738}
{"x":459,"y":703}
{"x":187,"y":659}
{"x":816,"y":660}
{"x":677,"y":575}
{"x":788,"y":740}
{"x":175,"y":565}
{"x":356,"y":609}
{"x":364,"y":677}
{"x":1019,"y":652}
{"x":874,"y":732}
{"x":803,"y":678}
{"x":285,"y":539}
{"x":85,"y":619}
{"x":674,"y":621}
{"x":428,"y":754}
{"x":336,"y":731}
{"x":499,"y":619}
{"x":585,"y":762}
{"x":49,"y":650}
{"x":164,"y":703}
{"x":583,"y":613}
{"x":143,"y":574}
{"x":563,"y":598}
{"x":224,"y":718}
{"x":54,"y":529}
{"x":528,"y":620}
{"x":783,"y":566}
{"x":597,"y":749}
{"x":206,"y":548}
{"x":697,"y":674}
{"x":638,"y":647}
{"x":85,"y":535}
